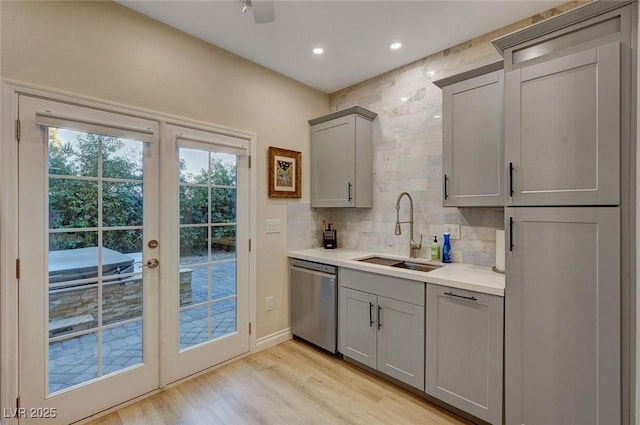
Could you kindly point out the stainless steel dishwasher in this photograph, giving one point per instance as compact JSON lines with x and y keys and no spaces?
{"x":314,"y":300}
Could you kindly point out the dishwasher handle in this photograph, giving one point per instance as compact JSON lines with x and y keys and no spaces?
{"x":313,"y":272}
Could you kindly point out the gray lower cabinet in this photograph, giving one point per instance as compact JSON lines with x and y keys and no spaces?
{"x":381,"y":324}
{"x":562,"y":327}
{"x":464,"y":346}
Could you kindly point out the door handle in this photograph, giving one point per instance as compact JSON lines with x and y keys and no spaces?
{"x":451,"y":294}
{"x":370,"y":315}
{"x":511,"y":179}
{"x":445,"y":187}
{"x":510,"y":233}
{"x":152,"y":263}
{"x":379,"y":316}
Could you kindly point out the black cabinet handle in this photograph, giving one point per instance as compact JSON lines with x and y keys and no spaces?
{"x":451,"y":294}
{"x":510,"y":233}
{"x":379,"y":317}
{"x":370,"y":315}
{"x":349,"y":188}
{"x":446,"y":195}
{"x":511,"y":179}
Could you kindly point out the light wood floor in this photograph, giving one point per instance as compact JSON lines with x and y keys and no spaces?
{"x":291,"y":383}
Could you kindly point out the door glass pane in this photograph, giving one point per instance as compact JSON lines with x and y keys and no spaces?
{"x":73,"y":361}
{"x":72,"y":153}
{"x":208,"y":266}
{"x":73,"y":203}
{"x":95,"y":255}
{"x":194,"y":246}
{"x":122,"y":204}
{"x":194,"y":166}
{"x":122,"y":346}
{"x":194,"y":326}
{"x":194,"y":204}
{"x":122,"y":158}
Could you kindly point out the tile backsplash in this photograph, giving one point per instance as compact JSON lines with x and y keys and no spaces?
{"x":407,"y":156}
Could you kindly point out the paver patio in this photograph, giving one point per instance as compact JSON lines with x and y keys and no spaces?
{"x":75,"y":360}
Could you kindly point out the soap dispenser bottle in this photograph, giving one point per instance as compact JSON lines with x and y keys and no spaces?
{"x":446,"y":249}
{"x":435,"y":249}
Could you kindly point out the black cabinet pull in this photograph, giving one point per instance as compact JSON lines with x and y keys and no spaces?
{"x":349,"y":188}
{"x":511,"y":179}
{"x":451,"y":294}
{"x":370,"y":315}
{"x":379,"y":317}
{"x":510,"y":233}
{"x":446,"y":195}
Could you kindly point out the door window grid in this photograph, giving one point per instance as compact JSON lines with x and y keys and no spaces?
{"x":77,"y":352}
{"x":212,"y":312}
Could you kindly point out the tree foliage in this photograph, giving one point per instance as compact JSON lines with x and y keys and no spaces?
{"x":73,"y":203}
{"x":194,"y":207}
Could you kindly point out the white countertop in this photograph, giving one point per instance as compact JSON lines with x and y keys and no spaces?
{"x":456,"y":275}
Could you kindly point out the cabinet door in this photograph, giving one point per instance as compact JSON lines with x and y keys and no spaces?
{"x":401,"y":341}
{"x":464,"y":350}
{"x":562,"y":346}
{"x":358,"y":327}
{"x":473,"y":141}
{"x":333,"y":162}
{"x":562,"y":130}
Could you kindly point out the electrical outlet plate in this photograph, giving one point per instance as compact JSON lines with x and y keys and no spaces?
{"x":453,"y":229}
{"x":367,"y":226}
{"x":269,"y":304}
{"x":273,"y":226}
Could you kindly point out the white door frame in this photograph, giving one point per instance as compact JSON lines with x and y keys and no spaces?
{"x":9,"y":91}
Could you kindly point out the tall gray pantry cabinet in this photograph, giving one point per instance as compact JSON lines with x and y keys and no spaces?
{"x":568,"y":177}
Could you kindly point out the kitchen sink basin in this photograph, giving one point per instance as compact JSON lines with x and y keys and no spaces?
{"x":415,"y":266}
{"x":401,"y":264}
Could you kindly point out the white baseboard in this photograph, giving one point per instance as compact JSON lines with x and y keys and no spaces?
{"x":272,"y":340}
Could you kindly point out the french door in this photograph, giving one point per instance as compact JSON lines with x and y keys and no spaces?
{"x":88,"y":293}
{"x":122,"y":254}
{"x":206,"y":211}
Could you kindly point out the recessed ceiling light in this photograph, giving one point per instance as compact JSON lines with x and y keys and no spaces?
{"x":437,"y":116}
{"x":403,"y":99}
{"x":431,"y":73}
{"x":318,"y":50}
{"x":395,"y":46}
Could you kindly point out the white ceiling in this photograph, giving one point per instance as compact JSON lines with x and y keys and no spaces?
{"x":354,"y":34}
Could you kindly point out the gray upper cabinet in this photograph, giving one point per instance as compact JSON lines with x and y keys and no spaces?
{"x":464,"y":346}
{"x":563,"y":122}
{"x":562,"y":328}
{"x":472,"y":109}
{"x":381,"y":324}
{"x":342,"y":159}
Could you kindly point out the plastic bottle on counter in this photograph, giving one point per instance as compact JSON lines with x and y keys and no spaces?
{"x":435,"y":249}
{"x":446,"y":249}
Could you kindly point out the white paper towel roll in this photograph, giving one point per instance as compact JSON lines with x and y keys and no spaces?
{"x":500,"y":250}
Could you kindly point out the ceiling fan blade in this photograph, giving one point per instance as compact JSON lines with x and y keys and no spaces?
{"x":263,"y":11}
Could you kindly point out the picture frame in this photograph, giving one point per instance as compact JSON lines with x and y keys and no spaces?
{"x":285,"y":173}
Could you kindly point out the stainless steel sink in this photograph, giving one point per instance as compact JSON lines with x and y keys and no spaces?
{"x":381,"y":261}
{"x":415,"y":266}
{"x":401,"y":264}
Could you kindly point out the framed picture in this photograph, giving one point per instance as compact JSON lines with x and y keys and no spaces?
{"x":285,"y":173}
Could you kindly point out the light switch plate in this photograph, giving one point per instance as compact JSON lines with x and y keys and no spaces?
{"x":367,"y":226}
{"x":273,"y":226}
{"x":453,"y":229}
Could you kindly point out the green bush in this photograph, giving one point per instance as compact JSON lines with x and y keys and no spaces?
{"x":73,"y":203}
